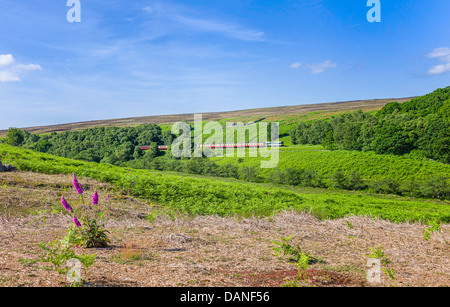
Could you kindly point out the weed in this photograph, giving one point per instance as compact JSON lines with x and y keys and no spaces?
{"x":295,"y":254}
{"x":59,"y":252}
{"x":435,"y":227}
{"x":28,"y":262}
{"x":350,"y":225}
{"x":378,"y":253}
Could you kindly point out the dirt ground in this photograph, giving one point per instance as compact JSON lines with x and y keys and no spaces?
{"x":171,"y":250}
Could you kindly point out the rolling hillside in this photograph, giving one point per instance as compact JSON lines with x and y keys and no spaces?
{"x":211,"y":196}
{"x":273,"y":114}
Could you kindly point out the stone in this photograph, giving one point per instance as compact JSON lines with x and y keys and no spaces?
{"x":7,"y":168}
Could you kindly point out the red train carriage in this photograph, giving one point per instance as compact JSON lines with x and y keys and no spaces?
{"x":233,"y":145}
{"x":229,"y":145}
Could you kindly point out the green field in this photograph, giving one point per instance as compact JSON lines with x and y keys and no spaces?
{"x":205,"y":196}
{"x":371,"y":166}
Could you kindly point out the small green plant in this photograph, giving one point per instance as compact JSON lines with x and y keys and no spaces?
{"x":378,"y":253}
{"x":302,"y":260}
{"x":59,"y":252}
{"x":284,"y":248}
{"x":435,"y":227}
{"x":302,"y":265}
{"x":91,"y":234}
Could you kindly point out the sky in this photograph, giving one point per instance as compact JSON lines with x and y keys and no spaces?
{"x":141,"y":58}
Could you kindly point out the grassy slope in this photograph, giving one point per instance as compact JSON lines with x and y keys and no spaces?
{"x":370,"y":165}
{"x":288,"y":114}
{"x":196,"y":195}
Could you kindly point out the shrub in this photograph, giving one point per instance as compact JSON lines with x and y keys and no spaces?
{"x":338,"y":181}
{"x":436,"y":188}
{"x":386,"y":186}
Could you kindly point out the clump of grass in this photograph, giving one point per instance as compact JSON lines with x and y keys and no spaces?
{"x":130,"y":254}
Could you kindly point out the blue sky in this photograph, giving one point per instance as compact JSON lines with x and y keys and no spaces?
{"x":138,"y":58}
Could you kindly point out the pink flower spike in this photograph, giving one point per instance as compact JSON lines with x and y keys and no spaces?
{"x":66,"y":205}
{"x":77,"y":223}
{"x":77,"y":186}
{"x":95,"y":199}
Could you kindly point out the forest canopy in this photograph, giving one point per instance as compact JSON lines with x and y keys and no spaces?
{"x":114,"y":145}
{"x":419,"y":127}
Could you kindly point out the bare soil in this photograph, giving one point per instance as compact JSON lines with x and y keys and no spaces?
{"x":179,"y":251}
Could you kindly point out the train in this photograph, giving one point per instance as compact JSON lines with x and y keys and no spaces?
{"x":227,"y":145}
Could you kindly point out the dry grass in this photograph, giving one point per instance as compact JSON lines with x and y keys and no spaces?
{"x":206,"y":250}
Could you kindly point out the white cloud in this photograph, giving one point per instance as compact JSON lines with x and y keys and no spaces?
{"x":6,"y":59}
{"x":8,"y":76}
{"x":321,"y":67}
{"x":439,"y":69}
{"x":440,"y":53}
{"x":10,"y":72}
{"x":295,"y":65}
{"x":27,"y":67}
{"x":443,"y":55}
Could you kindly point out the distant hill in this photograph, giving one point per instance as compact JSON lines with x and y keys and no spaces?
{"x":250,"y":114}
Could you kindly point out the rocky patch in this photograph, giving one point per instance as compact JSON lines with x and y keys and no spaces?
{"x":7,"y":168}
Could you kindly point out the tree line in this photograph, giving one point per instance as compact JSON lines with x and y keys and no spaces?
{"x":419,"y":127}
{"x":113,"y":145}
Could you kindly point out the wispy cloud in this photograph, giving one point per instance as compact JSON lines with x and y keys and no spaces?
{"x":314,"y":68}
{"x":442,"y":54}
{"x":11,"y":72}
{"x":178,"y":16}
{"x":321,"y":67}
{"x":295,"y":65}
{"x":220,"y":27}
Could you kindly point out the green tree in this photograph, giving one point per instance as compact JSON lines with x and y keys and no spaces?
{"x":354,"y":181}
{"x":137,"y":153}
{"x":276,"y":176}
{"x":436,"y":188}
{"x":435,"y":142}
{"x":328,"y":141}
{"x":396,"y":134}
{"x":125,"y":151}
{"x":42,"y":145}
{"x":249,"y":173}
{"x":150,"y":154}
{"x":338,"y":180}
{"x":293,"y":176}
{"x":14,"y":137}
